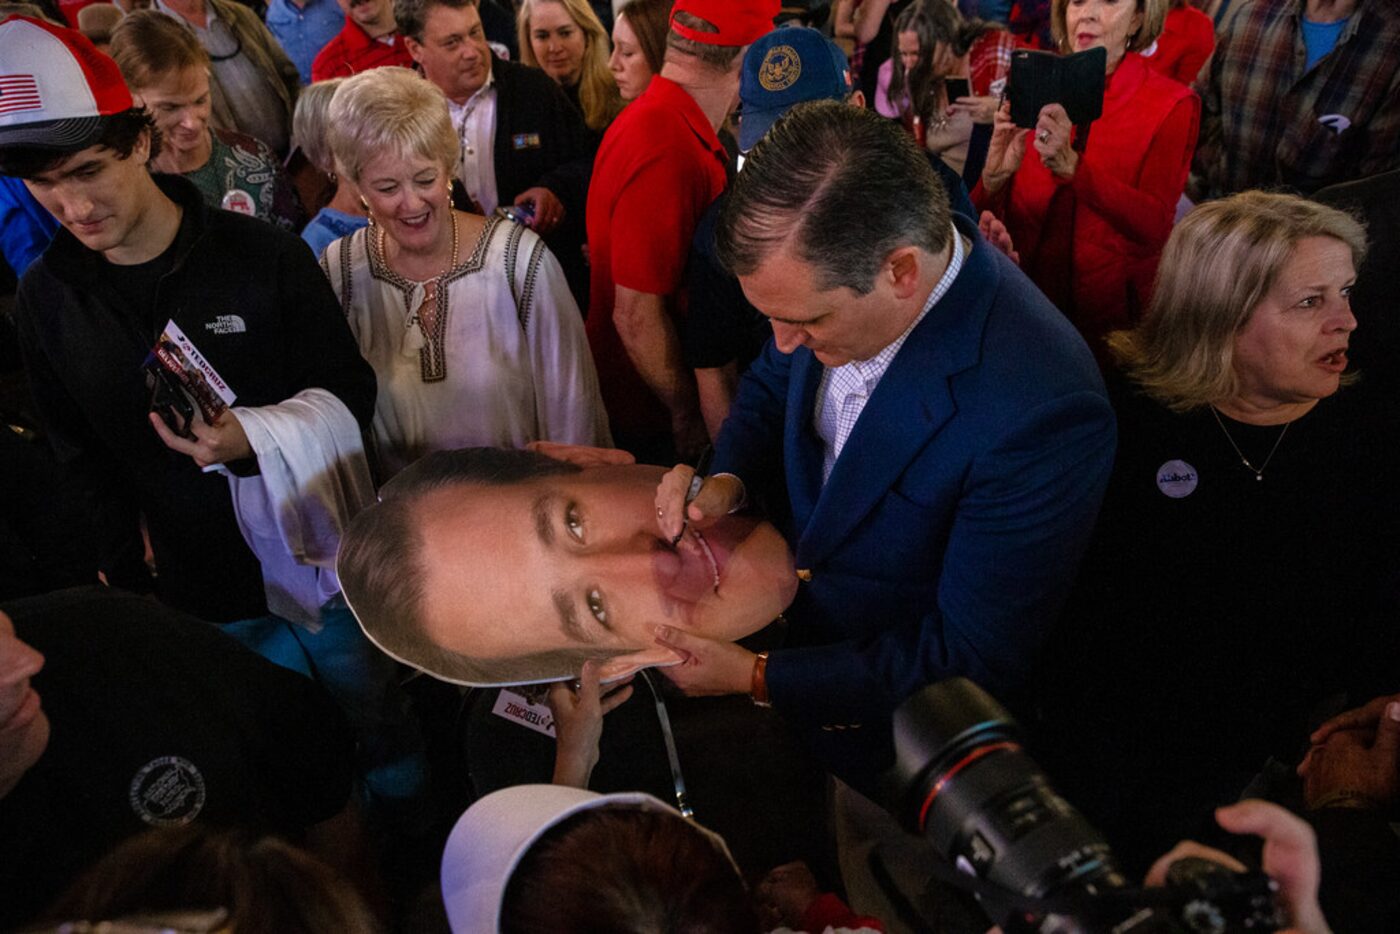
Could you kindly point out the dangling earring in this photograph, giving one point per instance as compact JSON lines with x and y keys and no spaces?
{"x":368,"y":213}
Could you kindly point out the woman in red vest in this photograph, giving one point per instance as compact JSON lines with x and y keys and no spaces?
{"x":1090,"y":212}
{"x":1187,"y":39}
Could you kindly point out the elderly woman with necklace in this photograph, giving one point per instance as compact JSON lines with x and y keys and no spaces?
{"x":467,"y":321}
{"x":1245,"y":562}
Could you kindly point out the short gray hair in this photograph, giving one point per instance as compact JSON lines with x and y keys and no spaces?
{"x":715,"y":56}
{"x":311,"y":123}
{"x":843,"y":187}
{"x":390,"y":109}
{"x":381,"y":571}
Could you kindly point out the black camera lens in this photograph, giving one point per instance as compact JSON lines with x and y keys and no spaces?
{"x":963,"y":780}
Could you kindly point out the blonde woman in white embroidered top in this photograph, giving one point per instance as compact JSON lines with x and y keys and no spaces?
{"x":467,"y":321}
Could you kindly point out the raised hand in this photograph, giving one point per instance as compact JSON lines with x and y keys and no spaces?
{"x":1005,"y":152}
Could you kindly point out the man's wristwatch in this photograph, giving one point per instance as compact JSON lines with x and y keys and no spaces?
{"x":758,"y":686}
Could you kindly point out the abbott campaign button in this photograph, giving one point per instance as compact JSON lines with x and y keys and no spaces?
{"x":1177,"y":479}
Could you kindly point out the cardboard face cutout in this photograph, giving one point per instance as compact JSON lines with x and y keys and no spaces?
{"x":520,"y":582}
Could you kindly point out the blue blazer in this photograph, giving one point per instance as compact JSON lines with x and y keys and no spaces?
{"x":947,"y":536}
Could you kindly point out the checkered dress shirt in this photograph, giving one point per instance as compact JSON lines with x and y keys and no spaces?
{"x":845,"y":389}
{"x":1261,"y":120}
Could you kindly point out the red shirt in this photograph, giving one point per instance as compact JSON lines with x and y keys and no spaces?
{"x":1187,"y":39}
{"x":658,"y":168}
{"x":353,"y":51}
{"x":829,"y":912}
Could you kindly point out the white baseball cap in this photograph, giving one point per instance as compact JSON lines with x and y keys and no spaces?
{"x":55,"y":86}
{"x":493,"y":835}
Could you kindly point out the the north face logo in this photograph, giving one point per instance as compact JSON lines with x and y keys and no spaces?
{"x":226,"y":324}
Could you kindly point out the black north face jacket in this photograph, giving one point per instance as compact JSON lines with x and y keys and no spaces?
{"x":252,"y":299}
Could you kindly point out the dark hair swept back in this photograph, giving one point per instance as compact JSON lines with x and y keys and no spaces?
{"x":411,"y":15}
{"x":839,"y":185}
{"x":119,"y":133}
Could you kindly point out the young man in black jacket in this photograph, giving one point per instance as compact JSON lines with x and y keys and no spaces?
{"x":135,"y":253}
{"x":140,"y":257}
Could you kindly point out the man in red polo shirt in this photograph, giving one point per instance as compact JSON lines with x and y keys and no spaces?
{"x":659,"y":167}
{"x":369,"y":39}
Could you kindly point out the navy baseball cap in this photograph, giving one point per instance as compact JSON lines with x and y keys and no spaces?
{"x":788,"y":66}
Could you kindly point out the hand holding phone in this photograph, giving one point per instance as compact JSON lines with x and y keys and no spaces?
{"x":523,"y":214}
{"x":1005,"y":151}
{"x":980,"y":109}
{"x":168,"y":400}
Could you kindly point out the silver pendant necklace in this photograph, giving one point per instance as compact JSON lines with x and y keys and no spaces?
{"x":1257,"y":471}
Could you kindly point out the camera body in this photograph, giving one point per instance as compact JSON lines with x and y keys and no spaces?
{"x":963,"y":780}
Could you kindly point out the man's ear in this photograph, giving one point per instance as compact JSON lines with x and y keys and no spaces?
{"x":415,"y":49}
{"x":620,"y":666}
{"x":902,"y":266}
{"x":141,"y":149}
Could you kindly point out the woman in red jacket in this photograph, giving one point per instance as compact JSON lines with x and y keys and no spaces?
{"x":1187,"y":39}
{"x":1090,"y":212}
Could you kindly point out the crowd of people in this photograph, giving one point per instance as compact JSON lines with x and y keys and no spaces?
{"x":688,"y":382}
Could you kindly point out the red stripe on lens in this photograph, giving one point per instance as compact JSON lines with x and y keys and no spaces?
{"x":978,"y":753}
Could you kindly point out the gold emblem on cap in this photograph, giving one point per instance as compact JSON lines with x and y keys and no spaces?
{"x":780,"y":69}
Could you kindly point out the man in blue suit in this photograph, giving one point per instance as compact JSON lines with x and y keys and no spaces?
{"x":939,"y":430}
